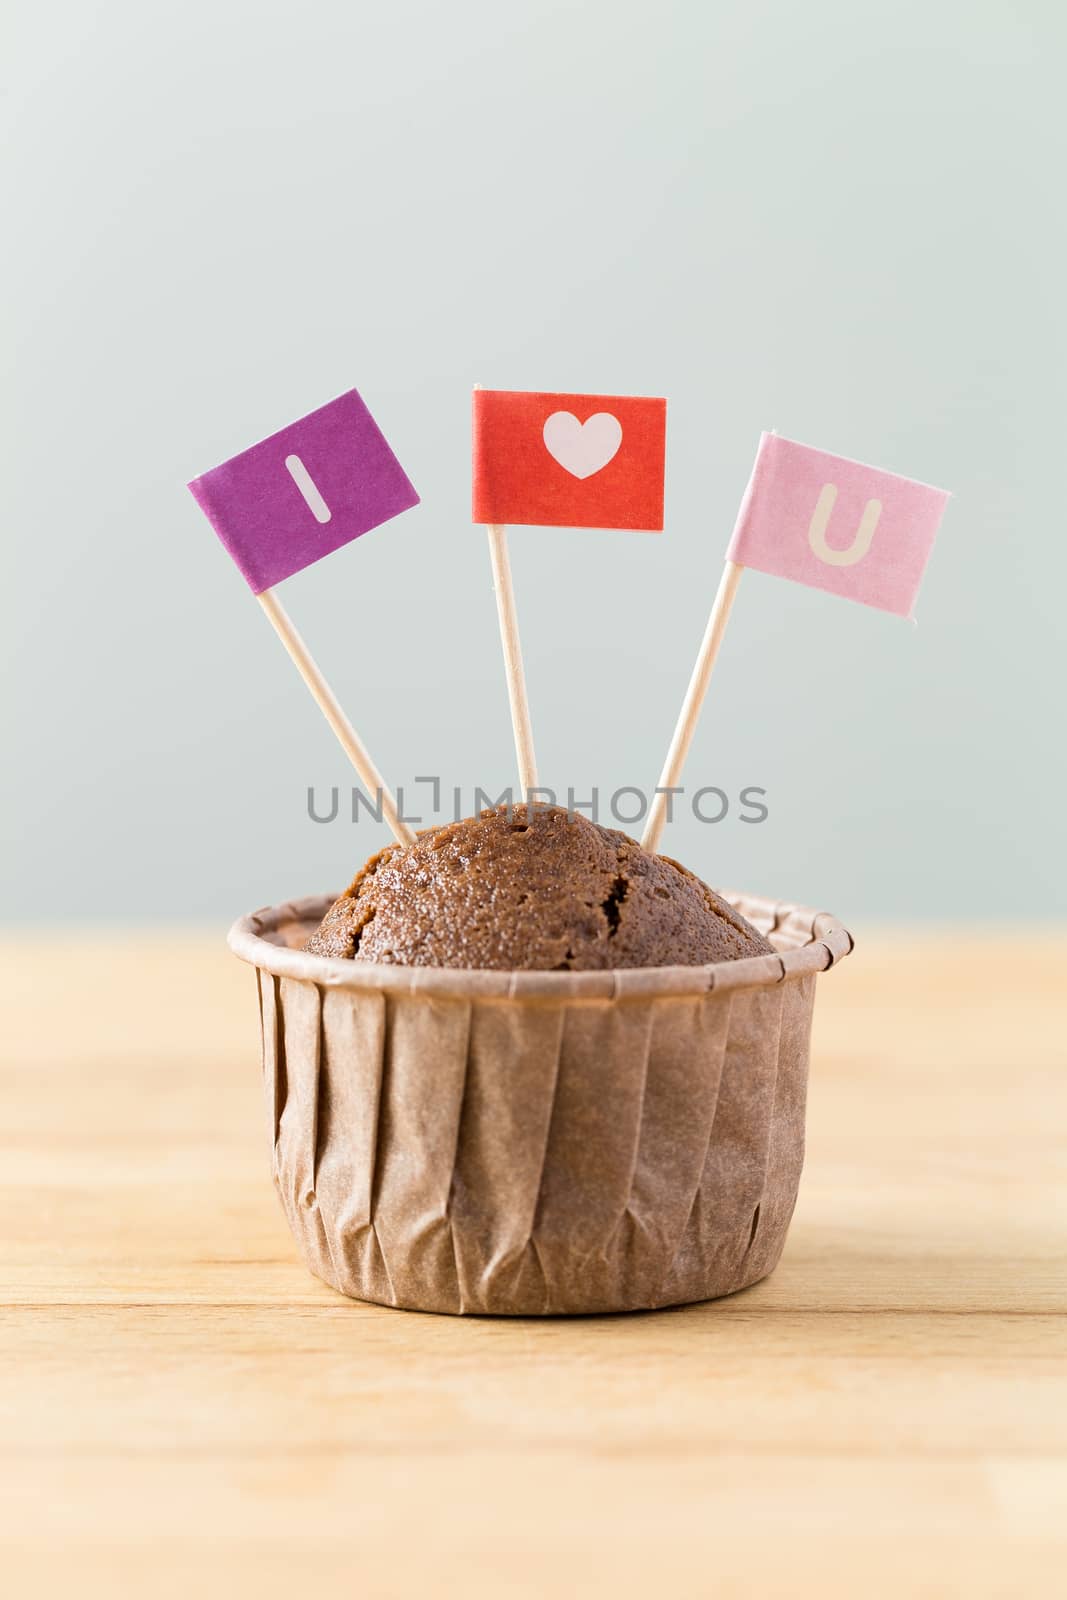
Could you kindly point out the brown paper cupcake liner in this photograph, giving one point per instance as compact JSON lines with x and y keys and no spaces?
{"x":531,"y":1143}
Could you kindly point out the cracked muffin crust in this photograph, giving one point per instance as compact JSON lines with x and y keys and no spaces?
{"x":537,"y":890}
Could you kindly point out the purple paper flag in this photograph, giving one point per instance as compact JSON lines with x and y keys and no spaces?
{"x":318,"y":484}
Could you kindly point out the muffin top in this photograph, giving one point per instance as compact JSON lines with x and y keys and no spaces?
{"x":537,"y":889}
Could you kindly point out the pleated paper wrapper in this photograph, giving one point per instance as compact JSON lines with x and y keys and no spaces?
{"x":532,"y":1143}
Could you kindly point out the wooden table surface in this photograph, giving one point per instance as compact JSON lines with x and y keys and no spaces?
{"x":183,"y":1410}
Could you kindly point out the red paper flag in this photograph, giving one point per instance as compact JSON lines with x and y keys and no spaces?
{"x":569,"y":460}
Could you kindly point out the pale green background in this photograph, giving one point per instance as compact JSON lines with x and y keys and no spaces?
{"x":841,"y":221}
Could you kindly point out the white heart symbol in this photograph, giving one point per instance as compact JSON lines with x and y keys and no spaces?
{"x":582,"y":448}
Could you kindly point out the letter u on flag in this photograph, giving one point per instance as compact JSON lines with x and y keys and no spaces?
{"x":568,"y":460}
{"x":836,"y":524}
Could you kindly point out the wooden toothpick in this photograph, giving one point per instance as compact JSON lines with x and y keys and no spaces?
{"x":694,"y":699}
{"x":513,"y":668}
{"x":509,"y":638}
{"x":328,"y":704}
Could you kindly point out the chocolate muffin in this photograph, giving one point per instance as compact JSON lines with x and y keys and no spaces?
{"x":539,"y":889}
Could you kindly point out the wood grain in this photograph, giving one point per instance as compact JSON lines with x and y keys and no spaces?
{"x":181,"y":1405}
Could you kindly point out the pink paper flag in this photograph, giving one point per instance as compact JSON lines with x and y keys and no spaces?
{"x":318,"y":484}
{"x":835,"y":524}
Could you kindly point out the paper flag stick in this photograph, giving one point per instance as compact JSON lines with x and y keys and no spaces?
{"x":824,"y":521}
{"x":564,"y":461}
{"x":508,"y":618}
{"x":509,"y":638}
{"x":328,"y":704}
{"x":694,"y":699}
{"x":286,"y":502}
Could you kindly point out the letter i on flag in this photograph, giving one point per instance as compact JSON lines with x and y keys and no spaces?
{"x":824,"y":521}
{"x":559,"y":460}
{"x":286,"y":502}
